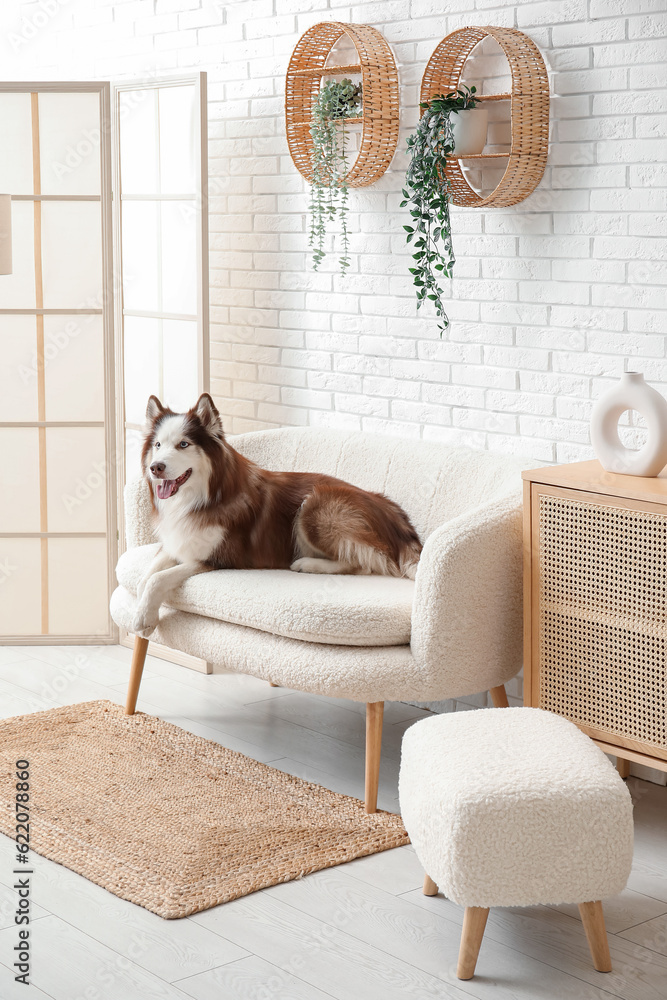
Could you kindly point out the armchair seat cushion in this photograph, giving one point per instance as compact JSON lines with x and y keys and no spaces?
{"x":339,"y":610}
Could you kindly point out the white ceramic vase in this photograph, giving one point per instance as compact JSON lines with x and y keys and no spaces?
{"x":631,"y":393}
{"x":469,"y":131}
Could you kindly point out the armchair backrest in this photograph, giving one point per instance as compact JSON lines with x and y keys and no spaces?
{"x":433,"y":482}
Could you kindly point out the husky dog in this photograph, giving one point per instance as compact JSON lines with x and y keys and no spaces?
{"x":215,"y":509}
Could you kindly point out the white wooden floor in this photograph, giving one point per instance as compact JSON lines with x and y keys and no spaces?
{"x":362,"y":931}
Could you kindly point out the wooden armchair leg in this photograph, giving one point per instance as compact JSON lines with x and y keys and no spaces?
{"x":593,"y":920}
{"x":374,"y":714}
{"x":430,"y":888}
{"x":136,"y":670}
{"x":499,"y":696}
{"x":474,"y":922}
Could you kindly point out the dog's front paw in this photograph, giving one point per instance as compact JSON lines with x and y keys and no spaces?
{"x":144,"y":622}
{"x":299,"y":565}
{"x":309,"y":565}
{"x":141,"y":586}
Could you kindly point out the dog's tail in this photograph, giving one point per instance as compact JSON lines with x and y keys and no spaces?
{"x":409,"y":560}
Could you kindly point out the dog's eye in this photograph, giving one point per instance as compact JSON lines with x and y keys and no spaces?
{"x":157,"y":444}
{"x":184,"y":444}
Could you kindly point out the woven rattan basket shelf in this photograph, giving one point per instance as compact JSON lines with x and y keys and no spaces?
{"x":529,"y":111}
{"x":379,"y":77}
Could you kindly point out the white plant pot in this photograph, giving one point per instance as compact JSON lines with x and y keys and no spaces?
{"x":469,"y":131}
{"x":631,"y":393}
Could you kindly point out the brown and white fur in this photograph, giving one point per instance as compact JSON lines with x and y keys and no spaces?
{"x":215,"y":509}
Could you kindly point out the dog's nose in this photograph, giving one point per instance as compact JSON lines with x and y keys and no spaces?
{"x":157,"y":468}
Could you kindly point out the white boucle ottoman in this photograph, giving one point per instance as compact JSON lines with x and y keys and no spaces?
{"x":515,"y":807}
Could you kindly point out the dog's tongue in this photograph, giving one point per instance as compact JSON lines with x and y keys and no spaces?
{"x":166,"y":488}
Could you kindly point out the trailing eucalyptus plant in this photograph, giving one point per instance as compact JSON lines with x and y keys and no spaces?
{"x":427,"y":192}
{"x":335,"y":102}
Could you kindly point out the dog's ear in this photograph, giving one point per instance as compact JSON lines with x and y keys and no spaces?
{"x":153,"y":409}
{"x":208,"y":415}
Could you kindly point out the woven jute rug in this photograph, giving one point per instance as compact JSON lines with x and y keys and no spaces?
{"x":169,"y":820}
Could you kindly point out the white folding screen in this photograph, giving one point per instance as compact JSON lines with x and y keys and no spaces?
{"x":160,"y":168}
{"x":59,"y":414}
{"x":57,"y":421}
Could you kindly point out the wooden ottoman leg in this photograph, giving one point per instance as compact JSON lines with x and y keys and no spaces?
{"x":136,"y":670}
{"x":596,"y":932}
{"x":623,"y":767}
{"x":499,"y":696}
{"x":430,"y":888}
{"x":374,"y":714}
{"x":474,"y":922}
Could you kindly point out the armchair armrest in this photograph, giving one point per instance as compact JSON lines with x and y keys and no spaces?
{"x":138,"y":514}
{"x":467,"y":611}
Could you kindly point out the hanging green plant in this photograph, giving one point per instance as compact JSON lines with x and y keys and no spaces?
{"x":428,"y":194}
{"x":335,"y":102}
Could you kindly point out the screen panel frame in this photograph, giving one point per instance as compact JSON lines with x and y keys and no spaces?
{"x":103,"y":89}
{"x":199,"y":81}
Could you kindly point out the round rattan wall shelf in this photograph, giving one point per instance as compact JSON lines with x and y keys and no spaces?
{"x":529,"y":109}
{"x":379,"y":79}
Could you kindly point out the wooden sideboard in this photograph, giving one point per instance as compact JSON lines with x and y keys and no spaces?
{"x":595,"y":605}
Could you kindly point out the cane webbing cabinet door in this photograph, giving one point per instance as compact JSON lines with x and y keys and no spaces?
{"x":595,"y":605}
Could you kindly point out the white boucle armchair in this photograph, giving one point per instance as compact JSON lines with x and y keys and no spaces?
{"x":454,"y":631}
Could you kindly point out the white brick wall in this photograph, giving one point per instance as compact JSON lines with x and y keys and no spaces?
{"x":551,"y":299}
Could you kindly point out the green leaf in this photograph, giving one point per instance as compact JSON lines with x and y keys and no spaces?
{"x":335,"y":100}
{"x":427,"y":192}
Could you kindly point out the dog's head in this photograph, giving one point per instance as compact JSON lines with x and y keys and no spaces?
{"x":180,"y":448}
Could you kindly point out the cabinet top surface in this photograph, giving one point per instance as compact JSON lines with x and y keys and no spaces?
{"x":591,"y":477}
